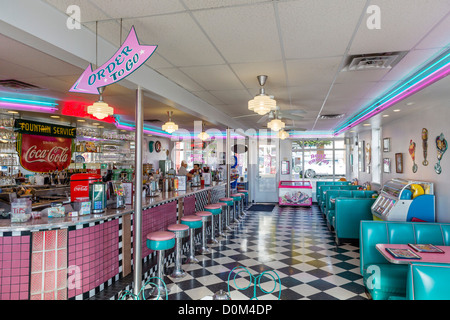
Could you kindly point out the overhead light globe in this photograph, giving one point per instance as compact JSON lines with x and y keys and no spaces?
{"x":262,"y":103}
{"x":203,"y":136}
{"x":169,"y":126}
{"x":100,"y":110}
{"x":283,"y":134}
{"x":276,"y":125}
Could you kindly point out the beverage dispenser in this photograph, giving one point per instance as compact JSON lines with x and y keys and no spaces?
{"x":79,"y":184}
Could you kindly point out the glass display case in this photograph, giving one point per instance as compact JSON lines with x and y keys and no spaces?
{"x":405,"y":200}
{"x":295,"y":193}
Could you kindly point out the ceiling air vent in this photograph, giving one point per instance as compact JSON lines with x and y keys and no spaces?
{"x":373,"y":61}
{"x":331,"y":116}
{"x":16,"y":85}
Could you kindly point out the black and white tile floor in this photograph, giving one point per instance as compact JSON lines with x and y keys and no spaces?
{"x":294,"y":242}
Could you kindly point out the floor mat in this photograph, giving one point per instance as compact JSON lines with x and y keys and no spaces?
{"x":261,"y":207}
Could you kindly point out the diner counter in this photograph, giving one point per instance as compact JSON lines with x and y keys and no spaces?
{"x":64,"y":222}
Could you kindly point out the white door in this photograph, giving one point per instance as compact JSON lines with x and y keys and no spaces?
{"x":267,"y":176}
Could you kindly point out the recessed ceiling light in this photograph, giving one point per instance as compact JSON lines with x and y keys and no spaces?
{"x":81,"y":120}
{"x":13,"y":112}
{"x":396,"y":110}
{"x":96,"y":124}
{"x":385,"y":115}
{"x":100,"y":127}
{"x":55,"y":117}
{"x":123,"y":130}
{"x":409,"y":103}
{"x":366,"y":124}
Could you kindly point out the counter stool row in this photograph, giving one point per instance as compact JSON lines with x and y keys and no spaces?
{"x":164,"y":240}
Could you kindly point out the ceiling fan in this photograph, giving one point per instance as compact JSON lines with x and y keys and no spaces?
{"x":275,"y":115}
{"x":294,"y":114}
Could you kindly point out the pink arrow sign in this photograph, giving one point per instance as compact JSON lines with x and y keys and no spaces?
{"x":130,"y":56}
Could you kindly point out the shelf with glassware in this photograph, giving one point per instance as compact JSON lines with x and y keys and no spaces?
{"x":102,"y":152}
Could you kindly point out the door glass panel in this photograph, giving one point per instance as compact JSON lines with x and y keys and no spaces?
{"x":267,"y":167}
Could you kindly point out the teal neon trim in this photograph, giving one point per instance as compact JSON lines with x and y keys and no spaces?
{"x":33,"y":102}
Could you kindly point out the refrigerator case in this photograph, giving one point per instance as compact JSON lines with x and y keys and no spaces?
{"x":295,"y":193}
{"x":396,"y":202}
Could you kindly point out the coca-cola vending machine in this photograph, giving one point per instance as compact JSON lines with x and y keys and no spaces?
{"x":79,"y":184}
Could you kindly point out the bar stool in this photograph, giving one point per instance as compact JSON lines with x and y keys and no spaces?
{"x":236,"y":204}
{"x":180,"y":231}
{"x":229,"y":202}
{"x":223,"y":209}
{"x":193,"y":222}
{"x":245,"y":192}
{"x":160,"y":241}
{"x":216,"y":210}
{"x":241,"y":205}
{"x":206,"y":216}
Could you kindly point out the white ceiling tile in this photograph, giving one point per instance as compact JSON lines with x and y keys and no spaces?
{"x":178,"y":38}
{"x":208,"y":97}
{"x":13,"y":71}
{"x":319,"y":28}
{"x":353,"y":90}
{"x":88,"y":11}
{"x":248,"y":72}
{"x":312,"y":71}
{"x":209,"y":4}
{"x":218,"y":77}
{"x":438,"y":37}
{"x":180,"y":78}
{"x":403,"y":24}
{"x":239,"y":97}
{"x":361,"y":76}
{"x":242,"y":34}
{"x":137,"y":8}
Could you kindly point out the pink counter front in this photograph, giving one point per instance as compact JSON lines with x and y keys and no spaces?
{"x":295,"y":193}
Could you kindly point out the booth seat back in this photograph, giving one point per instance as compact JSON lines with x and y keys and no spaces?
{"x":428,"y":282}
{"x":329,"y":183}
{"x":348,"y":215}
{"x":333,"y":194}
{"x":324,"y":189}
{"x":397,"y":232}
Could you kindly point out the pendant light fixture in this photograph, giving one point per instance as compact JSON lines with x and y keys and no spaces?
{"x":100,"y":109}
{"x":262,"y":103}
{"x":275,"y":124}
{"x":283,"y":134}
{"x":203,"y":135}
{"x":169,"y":127}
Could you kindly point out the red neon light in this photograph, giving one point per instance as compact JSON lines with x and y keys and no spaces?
{"x":78,"y":109}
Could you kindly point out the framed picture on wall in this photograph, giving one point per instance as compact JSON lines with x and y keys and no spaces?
{"x":285,"y":167}
{"x":386,"y":144}
{"x":387,"y":165}
{"x":399,"y":162}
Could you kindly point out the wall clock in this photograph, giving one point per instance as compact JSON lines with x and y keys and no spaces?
{"x":158,"y":146}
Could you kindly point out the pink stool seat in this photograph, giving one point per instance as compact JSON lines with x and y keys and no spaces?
{"x":213,"y":206}
{"x":160,"y":236}
{"x":178,"y":227}
{"x":191,"y":218}
{"x":243,"y":190}
{"x":203,"y":213}
{"x":222,"y":204}
{"x":236,"y":195}
{"x":225,"y":199}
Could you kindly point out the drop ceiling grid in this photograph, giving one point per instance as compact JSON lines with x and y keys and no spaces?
{"x":319,"y":28}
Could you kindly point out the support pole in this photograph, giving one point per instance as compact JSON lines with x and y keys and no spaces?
{"x":227,"y":154}
{"x":137,"y":252}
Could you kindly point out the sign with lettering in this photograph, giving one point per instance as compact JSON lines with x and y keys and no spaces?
{"x":130,"y":56}
{"x":38,"y":153}
{"x":44,"y":129}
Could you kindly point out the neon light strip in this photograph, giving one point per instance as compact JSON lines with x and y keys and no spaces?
{"x":32,"y":102}
{"x":377,"y":107}
{"x":26,"y":107}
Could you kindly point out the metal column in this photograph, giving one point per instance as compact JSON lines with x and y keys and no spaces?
{"x":227,"y":154}
{"x":137,"y":219}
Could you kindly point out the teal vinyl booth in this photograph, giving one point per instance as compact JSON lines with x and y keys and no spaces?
{"x":329,"y":183}
{"x":428,"y":282}
{"x":325,"y":188}
{"x":384,"y":280}
{"x":349,"y":212}
{"x":332,"y":195}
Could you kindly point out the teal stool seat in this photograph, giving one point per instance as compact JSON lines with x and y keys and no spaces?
{"x":228,"y":201}
{"x":193,"y":222}
{"x":237,"y":197}
{"x":205,"y":216}
{"x":215,"y":209}
{"x":160,"y":241}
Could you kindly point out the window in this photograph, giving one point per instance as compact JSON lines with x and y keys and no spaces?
{"x":318,"y":159}
{"x":376,"y":156}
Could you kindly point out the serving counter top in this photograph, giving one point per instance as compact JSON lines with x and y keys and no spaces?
{"x":53,"y":223}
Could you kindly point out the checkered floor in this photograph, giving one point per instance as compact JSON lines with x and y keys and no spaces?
{"x":290,"y":245}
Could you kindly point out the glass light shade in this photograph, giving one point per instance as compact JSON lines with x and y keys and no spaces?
{"x":203,"y":136}
{"x":262,"y":104}
{"x":170,"y":127}
{"x":100,"y":110}
{"x":276,"y":125}
{"x":283,"y":134}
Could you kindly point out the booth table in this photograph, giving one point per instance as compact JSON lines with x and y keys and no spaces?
{"x":295,"y":193}
{"x":425,"y":257}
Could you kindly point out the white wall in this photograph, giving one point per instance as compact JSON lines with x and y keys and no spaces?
{"x":154,"y":157}
{"x":401,"y":131}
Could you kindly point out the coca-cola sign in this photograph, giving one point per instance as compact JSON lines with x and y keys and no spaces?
{"x":44,"y":153}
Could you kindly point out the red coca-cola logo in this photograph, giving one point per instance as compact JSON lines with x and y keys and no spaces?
{"x":43,"y":153}
{"x":81,"y":188}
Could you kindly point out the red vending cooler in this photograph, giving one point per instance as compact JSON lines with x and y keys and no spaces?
{"x":79,"y":184}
